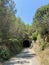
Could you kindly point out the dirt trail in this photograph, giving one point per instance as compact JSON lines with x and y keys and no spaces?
{"x":26,"y":57}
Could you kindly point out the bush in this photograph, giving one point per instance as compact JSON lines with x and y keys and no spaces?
{"x":14,"y":46}
{"x":9,"y":49}
{"x":34,"y":36}
{"x":4,"y":54}
{"x":42,"y":44}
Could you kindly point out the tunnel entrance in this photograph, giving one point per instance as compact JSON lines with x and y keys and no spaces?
{"x":26,"y":43}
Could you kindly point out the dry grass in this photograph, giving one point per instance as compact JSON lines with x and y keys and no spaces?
{"x":43,"y":56}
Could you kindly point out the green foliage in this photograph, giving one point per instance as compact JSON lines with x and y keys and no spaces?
{"x":41,"y":12}
{"x":34,"y":36}
{"x":12,"y":29}
{"x":7,"y":17}
{"x":41,"y":20}
{"x":14,"y":46}
{"x":4,"y":54}
{"x":42,"y":44}
{"x":41,"y":25}
{"x":17,"y":29}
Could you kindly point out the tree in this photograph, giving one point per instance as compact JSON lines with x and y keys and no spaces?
{"x":17,"y":29}
{"x":41,"y":20}
{"x":7,"y":16}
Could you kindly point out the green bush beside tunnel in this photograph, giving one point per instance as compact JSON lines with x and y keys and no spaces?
{"x":14,"y":46}
{"x":34,"y":36}
{"x":4,"y":53}
{"x":10,"y":48}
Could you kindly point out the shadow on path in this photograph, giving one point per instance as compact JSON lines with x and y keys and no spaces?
{"x":22,"y":58}
{"x":26,"y":55}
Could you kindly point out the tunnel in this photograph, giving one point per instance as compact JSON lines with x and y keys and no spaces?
{"x":26,"y":43}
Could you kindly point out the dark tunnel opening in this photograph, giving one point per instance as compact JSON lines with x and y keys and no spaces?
{"x":26,"y":44}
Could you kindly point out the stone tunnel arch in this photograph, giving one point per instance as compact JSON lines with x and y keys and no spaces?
{"x":26,"y":43}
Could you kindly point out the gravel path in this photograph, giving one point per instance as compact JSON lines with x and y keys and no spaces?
{"x":26,"y":57}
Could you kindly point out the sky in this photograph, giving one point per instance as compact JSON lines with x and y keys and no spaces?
{"x":26,"y":9}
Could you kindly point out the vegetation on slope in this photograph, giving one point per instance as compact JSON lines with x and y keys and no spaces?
{"x":41,"y":27}
{"x":13,"y":31}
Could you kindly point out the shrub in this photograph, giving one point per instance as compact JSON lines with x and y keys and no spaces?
{"x":34,"y":36}
{"x":40,"y":42}
{"x":14,"y":46}
{"x":4,"y":54}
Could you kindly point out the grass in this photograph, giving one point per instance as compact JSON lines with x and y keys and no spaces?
{"x":42,"y":55}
